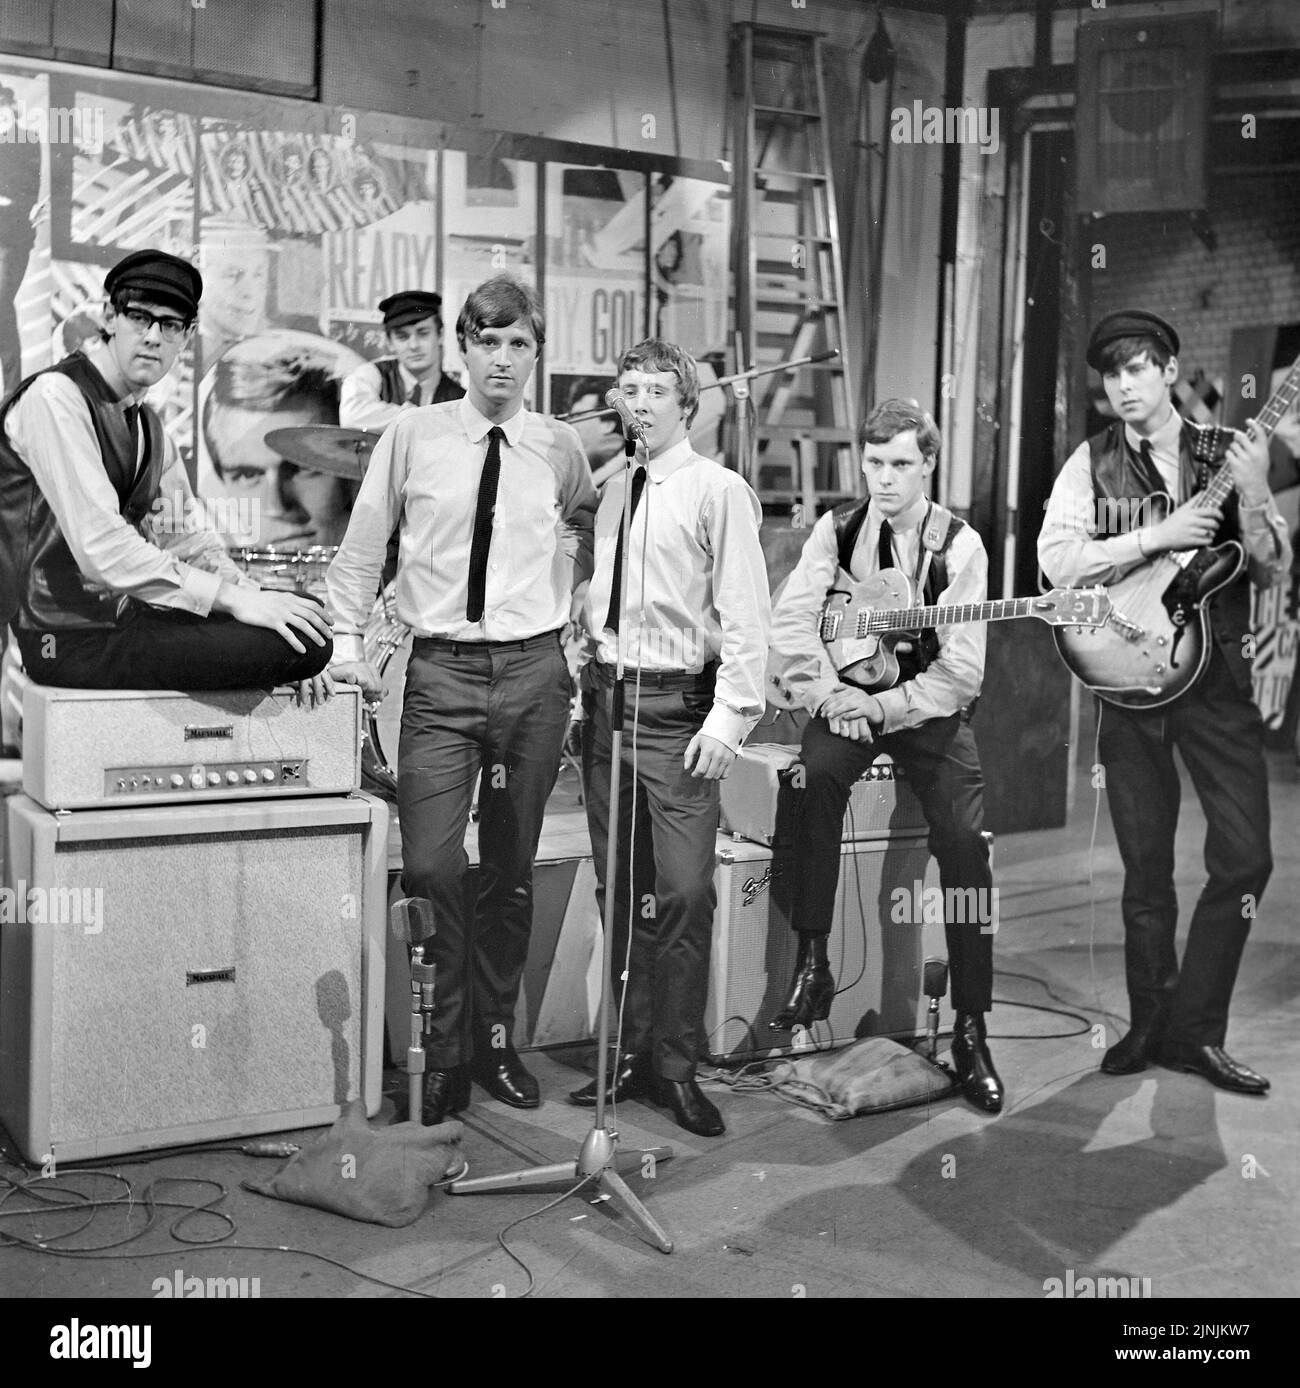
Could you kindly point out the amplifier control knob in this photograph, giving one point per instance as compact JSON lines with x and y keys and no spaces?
{"x":146,"y":781}
{"x":268,"y":775}
{"x":178,"y":781}
{"x":121,"y":785}
{"x":250,"y":776}
{"x":214,"y":778}
{"x":232,"y":778}
{"x":196,"y":778}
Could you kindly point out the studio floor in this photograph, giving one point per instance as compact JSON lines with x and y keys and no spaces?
{"x":1158,"y":1176}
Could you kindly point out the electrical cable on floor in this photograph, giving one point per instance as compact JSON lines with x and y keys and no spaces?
{"x":533,"y":1214}
{"x":42,"y":1189}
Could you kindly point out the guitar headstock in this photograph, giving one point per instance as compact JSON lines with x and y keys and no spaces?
{"x":1085,"y":607}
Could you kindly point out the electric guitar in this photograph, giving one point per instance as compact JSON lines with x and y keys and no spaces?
{"x":862,"y":623}
{"x":1156,"y":644}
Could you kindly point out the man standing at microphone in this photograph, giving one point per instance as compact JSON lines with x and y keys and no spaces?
{"x":694,"y":639}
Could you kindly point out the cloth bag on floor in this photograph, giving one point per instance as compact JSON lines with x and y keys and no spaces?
{"x":870,"y":1076}
{"x":378,"y":1175}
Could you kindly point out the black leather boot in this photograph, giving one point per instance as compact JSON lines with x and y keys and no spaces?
{"x":970,"y":1057}
{"x":629,"y":1078}
{"x":811,"y":989}
{"x":1140,"y":1045}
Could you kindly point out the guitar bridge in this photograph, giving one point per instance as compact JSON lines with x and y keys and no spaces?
{"x":1130,"y":631}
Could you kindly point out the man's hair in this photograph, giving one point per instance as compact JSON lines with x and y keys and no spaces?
{"x":283,"y":383}
{"x":122,"y":300}
{"x":1123,"y":349}
{"x":497,"y":303}
{"x":896,"y":416}
{"x":654,"y":354}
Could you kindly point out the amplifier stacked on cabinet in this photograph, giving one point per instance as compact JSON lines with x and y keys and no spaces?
{"x":195,"y":907}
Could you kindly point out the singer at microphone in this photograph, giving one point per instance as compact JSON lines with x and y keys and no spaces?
{"x":632,"y":426}
{"x":694,"y":637}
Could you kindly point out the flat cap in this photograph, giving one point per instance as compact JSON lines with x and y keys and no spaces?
{"x":409,"y":307}
{"x":1129,"y":322}
{"x":160,"y":277}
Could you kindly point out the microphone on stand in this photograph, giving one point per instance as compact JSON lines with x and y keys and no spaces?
{"x":632,"y":426}
{"x":935,"y":985}
{"x":411,"y":920}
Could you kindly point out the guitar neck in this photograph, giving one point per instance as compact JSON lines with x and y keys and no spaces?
{"x":913,"y":618}
{"x":1220,"y":485}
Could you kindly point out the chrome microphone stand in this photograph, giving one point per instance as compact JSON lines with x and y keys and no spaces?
{"x":599,"y":1161}
{"x":411,"y":920}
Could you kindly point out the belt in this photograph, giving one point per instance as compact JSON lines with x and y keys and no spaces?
{"x":660,"y":679}
{"x":430,"y":645}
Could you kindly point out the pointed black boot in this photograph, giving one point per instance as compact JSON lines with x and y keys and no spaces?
{"x":811,"y":989}
{"x":974,"y":1065}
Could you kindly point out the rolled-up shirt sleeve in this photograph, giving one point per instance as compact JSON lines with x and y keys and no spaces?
{"x":182,"y":565}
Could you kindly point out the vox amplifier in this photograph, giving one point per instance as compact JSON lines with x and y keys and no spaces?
{"x":89,"y":748}
{"x":181,"y":974}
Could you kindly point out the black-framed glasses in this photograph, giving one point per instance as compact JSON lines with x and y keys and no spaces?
{"x":170,"y":329}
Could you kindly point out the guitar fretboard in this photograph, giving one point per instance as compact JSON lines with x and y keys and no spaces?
{"x":1278,"y":404}
{"x":912,"y":618}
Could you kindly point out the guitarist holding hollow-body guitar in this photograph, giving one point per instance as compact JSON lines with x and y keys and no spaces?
{"x":922,"y":722}
{"x":1101,"y":527}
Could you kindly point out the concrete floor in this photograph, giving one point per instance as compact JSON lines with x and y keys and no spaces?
{"x":1158,"y":1176}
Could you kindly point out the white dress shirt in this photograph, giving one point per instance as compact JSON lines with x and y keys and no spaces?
{"x":1071,"y":553}
{"x":175,"y":560}
{"x":696,"y":583}
{"x":425,"y":472}
{"x":952,"y":679}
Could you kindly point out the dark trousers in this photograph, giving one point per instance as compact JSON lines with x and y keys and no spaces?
{"x":1219,"y":733}
{"x":942,"y":765}
{"x":492,"y":713}
{"x":156,"y":648}
{"x":668,"y":827}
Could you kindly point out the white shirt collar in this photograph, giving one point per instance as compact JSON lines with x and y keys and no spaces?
{"x":477,"y":428}
{"x":906,"y":520}
{"x":670,"y":460}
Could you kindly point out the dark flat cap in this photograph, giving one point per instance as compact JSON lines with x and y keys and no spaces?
{"x":159,"y":277}
{"x":409,"y":307}
{"x":1129,"y":322}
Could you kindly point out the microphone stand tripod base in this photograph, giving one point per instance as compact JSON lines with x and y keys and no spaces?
{"x":599,"y":1158}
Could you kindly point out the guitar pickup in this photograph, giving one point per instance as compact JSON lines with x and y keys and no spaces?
{"x":1130,"y":631}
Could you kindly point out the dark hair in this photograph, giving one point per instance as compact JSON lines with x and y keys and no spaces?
{"x":122,"y":300}
{"x":497,"y":303}
{"x":586,"y":385}
{"x":654,"y":354}
{"x":896,"y":416}
{"x":1123,"y":349}
{"x":280,"y":383}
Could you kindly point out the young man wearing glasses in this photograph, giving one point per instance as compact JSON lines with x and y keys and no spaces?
{"x":110,"y":573}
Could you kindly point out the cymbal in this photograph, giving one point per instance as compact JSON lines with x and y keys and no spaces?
{"x":325,"y":448}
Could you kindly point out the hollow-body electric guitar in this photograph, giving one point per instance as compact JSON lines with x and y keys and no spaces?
{"x":1156,"y":643}
{"x":862,"y":623}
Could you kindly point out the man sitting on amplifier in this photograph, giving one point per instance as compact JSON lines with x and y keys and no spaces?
{"x":922,"y":721}
{"x":110,"y":572}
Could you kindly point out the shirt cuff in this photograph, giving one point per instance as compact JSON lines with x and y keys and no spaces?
{"x":727,"y":726}
{"x":347,"y":649}
{"x":894,"y":704}
{"x":199,"y":590}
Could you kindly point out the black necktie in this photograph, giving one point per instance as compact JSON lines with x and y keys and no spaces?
{"x":1147,"y":469}
{"x":886,"y":553}
{"x":487,"y":503}
{"x":414,"y":397}
{"x":611,"y":620}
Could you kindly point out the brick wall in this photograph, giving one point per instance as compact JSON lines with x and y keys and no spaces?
{"x":1156,"y":261}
